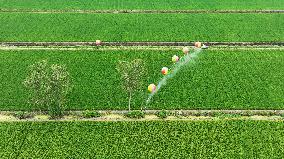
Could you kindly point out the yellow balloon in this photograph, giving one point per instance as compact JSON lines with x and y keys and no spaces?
{"x":175,"y":58}
{"x":151,"y":88}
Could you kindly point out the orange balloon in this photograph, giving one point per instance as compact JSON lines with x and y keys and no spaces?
{"x":198,"y":44}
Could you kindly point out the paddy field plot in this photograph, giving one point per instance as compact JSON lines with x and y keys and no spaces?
{"x":176,"y":139}
{"x":217,"y":79}
{"x":142,"y":4}
{"x":64,"y":27}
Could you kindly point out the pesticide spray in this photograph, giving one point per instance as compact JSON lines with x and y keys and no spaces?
{"x":175,"y":69}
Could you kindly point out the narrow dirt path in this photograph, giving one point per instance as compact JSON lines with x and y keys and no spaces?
{"x":151,"y":48}
{"x":150,"y":115}
{"x":119,"y":117}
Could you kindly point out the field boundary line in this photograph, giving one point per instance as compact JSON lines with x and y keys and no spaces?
{"x":47,"y":44}
{"x":170,"y":118}
{"x":135,"y":11}
{"x":280,"y":111}
{"x":153,"y":111}
{"x":149,"y":48}
{"x":151,"y":115}
{"x":138,"y":48}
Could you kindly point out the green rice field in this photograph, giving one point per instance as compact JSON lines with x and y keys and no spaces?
{"x":199,"y":139}
{"x":142,"y":4}
{"x":141,"y":27}
{"x":217,"y":79}
{"x":226,"y":101}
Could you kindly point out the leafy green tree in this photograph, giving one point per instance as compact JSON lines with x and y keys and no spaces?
{"x":48,"y":86}
{"x":132,"y":74}
{"x":59,"y":86}
{"x":37,"y":84}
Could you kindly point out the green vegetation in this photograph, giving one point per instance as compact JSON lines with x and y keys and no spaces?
{"x":141,"y":4}
{"x":141,"y":27}
{"x":133,"y":75}
{"x":96,"y":82}
{"x":225,"y":115}
{"x":221,"y":79}
{"x":23,"y":115}
{"x":216,"y":79}
{"x":135,"y":114}
{"x":48,"y":86}
{"x":199,"y":139}
{"x":162,"y":114}
{"x":91,"y":114}
{"x":227,"y":80}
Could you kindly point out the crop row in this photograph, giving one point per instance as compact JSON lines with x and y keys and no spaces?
{"x":141,"y":27}
{"x":199,"y":139}
{"x":139,"y":4}
{"x":222,"y":79}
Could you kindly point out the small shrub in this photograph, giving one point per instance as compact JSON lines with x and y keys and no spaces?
{"x":23,"y":115}
{"x":135,"y":114}
{"x":56,"y":111}
{"x":195,"y":114}
{"x":247,"y":113}
{"x":233,"y":115}
{"x":217,"y":114}
{"x":191,"y":113}
{"x":225,"y":115}
{"x":265,"y":113}
{"x":72,"y":113}
{"x":162,"y":114}
{"x":91,"y":114}
{"x":178,"y":113}
{"x":198,"y":113}
{"x":205,"y":113}
{"x":185,"y":113}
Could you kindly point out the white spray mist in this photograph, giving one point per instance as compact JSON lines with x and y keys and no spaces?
{"x":176,"y":68}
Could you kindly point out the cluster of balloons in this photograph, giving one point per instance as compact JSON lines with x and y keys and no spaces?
{"x":175,"y":59}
